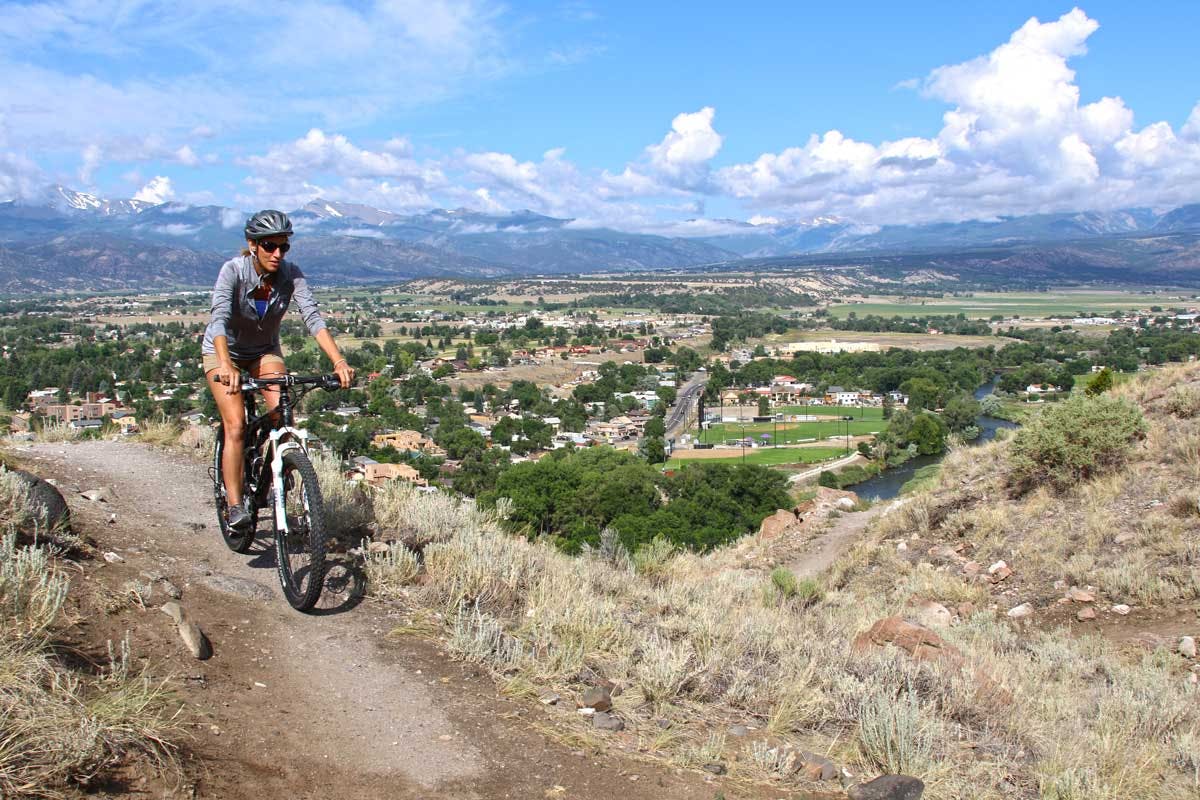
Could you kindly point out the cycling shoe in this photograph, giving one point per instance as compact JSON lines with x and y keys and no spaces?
{"x":239,"y":518}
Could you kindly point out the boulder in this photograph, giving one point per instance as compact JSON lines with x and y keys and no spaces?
{"x":774,"y":526}
{"x":46,"y":503}
{"x":1187,"y":647}
{"x":924,"y":645}
{"x":916,"y":640}
{"x":888,"y":787}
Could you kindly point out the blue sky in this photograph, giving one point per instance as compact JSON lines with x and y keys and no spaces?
{"x":642,"y":116}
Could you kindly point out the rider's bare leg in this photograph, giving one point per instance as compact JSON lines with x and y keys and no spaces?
{"x":233,"y":417}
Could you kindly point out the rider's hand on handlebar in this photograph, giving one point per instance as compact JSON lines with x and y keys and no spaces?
{"x":345,"y":374}
{"x":229,"y":375}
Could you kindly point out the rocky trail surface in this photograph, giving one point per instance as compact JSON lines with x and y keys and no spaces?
{"x":304,"y":706}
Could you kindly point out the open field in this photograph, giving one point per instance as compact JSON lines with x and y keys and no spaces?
{"x":983,"y":305}
{"x":550,"y":373}
{"x":905,"y":341}
{"x":762,"y":456}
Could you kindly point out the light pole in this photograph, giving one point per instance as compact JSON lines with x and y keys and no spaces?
{"x":742,"y":440}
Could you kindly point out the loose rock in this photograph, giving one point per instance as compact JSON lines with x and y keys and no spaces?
{"x":888,"y":787}
{"x":715,"y":769}
{"x":1121,"y":609}
{"x":1021,"y":611}
{"x":550,"y":699}
{"x":596,"y":697}
{"x":1085,"y":614}
{"x":195,"y":640}
{"x":739,"y":730}
{"x":994,"y":568}
{"x":1187,"y":647}
{"x":98,"y":495}
{"x":113,"y":558}
{"x":173,"y":610}
{"x":932,"y":614}
{"x":1080,"y":595}
{"x":170,"y":589}
{"x":604,"y":721}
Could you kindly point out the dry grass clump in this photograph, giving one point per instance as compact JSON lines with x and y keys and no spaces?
{"x":161,"y":432}
{"x":53,"y":431}
{"x":348,"y":506}
{"x":389,"y":571}
{"x":416,"y":518}
{"x":57,"y":728}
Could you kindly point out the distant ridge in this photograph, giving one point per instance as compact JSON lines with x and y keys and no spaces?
{"x":346,"y":242}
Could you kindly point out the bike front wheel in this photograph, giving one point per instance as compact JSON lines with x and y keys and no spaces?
{"x":300,"y":542}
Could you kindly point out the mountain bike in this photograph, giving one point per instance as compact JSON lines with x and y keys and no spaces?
{"x":278,"y":475}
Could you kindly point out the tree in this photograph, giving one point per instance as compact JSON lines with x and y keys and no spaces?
{"x":764,"y":406}
{"x":960,"y":412}
{"x":922,"y":393}
{"x":1100,"y":383}
{"x":655,"y":450}
{"x":928,"y":433}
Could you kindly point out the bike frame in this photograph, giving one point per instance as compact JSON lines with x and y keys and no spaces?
{"x":282,"y":437}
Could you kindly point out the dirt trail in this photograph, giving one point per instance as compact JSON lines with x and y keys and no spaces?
{"x":301,"y":706}
{"x":825,"y":548}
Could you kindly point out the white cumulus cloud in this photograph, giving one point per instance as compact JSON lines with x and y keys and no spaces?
{"x":1016,"y":139}
{"x":157,"y":191}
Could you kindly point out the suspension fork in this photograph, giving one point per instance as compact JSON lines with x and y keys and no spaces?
{"x":283,"y":440}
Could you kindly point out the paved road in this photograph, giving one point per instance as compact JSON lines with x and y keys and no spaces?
{"x":815,"y":471}
{"x":685,"y":403}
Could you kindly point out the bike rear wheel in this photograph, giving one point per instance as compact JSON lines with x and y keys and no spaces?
{"x":300,"y":542}
{"x":237,"y":541}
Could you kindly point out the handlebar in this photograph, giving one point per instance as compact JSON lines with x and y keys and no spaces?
{"x":317,"y":381}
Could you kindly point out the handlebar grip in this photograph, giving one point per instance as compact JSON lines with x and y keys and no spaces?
{"x":331,"y":382}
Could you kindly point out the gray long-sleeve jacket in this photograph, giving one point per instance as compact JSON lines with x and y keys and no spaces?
{"x":234,"y":317}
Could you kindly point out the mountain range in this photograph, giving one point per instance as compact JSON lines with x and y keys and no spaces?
{"x":67,"y":240}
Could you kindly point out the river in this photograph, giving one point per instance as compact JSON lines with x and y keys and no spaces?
{"x":886,"y":485}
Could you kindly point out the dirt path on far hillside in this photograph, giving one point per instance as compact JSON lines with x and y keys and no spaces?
{"x":297,"y":706}
{"x":825,"y":548}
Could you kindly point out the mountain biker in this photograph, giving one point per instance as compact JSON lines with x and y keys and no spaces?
{"x":251,"y":296}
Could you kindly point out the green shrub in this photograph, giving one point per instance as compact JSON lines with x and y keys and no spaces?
{"x":1073,"y":441}
{"x":828,"y":480}
{"x":785,"y":582}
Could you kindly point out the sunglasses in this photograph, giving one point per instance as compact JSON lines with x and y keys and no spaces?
{"x":271,"y":247}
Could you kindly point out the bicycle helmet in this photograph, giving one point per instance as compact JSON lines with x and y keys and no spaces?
{"x":268,"y":222}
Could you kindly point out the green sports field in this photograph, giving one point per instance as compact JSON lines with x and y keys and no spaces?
{"x":790,"y":432}
{"x":769,"y":456}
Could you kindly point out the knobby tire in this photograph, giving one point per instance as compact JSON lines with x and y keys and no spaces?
{"x":236,"y":541}
{"x":300,"y":547}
